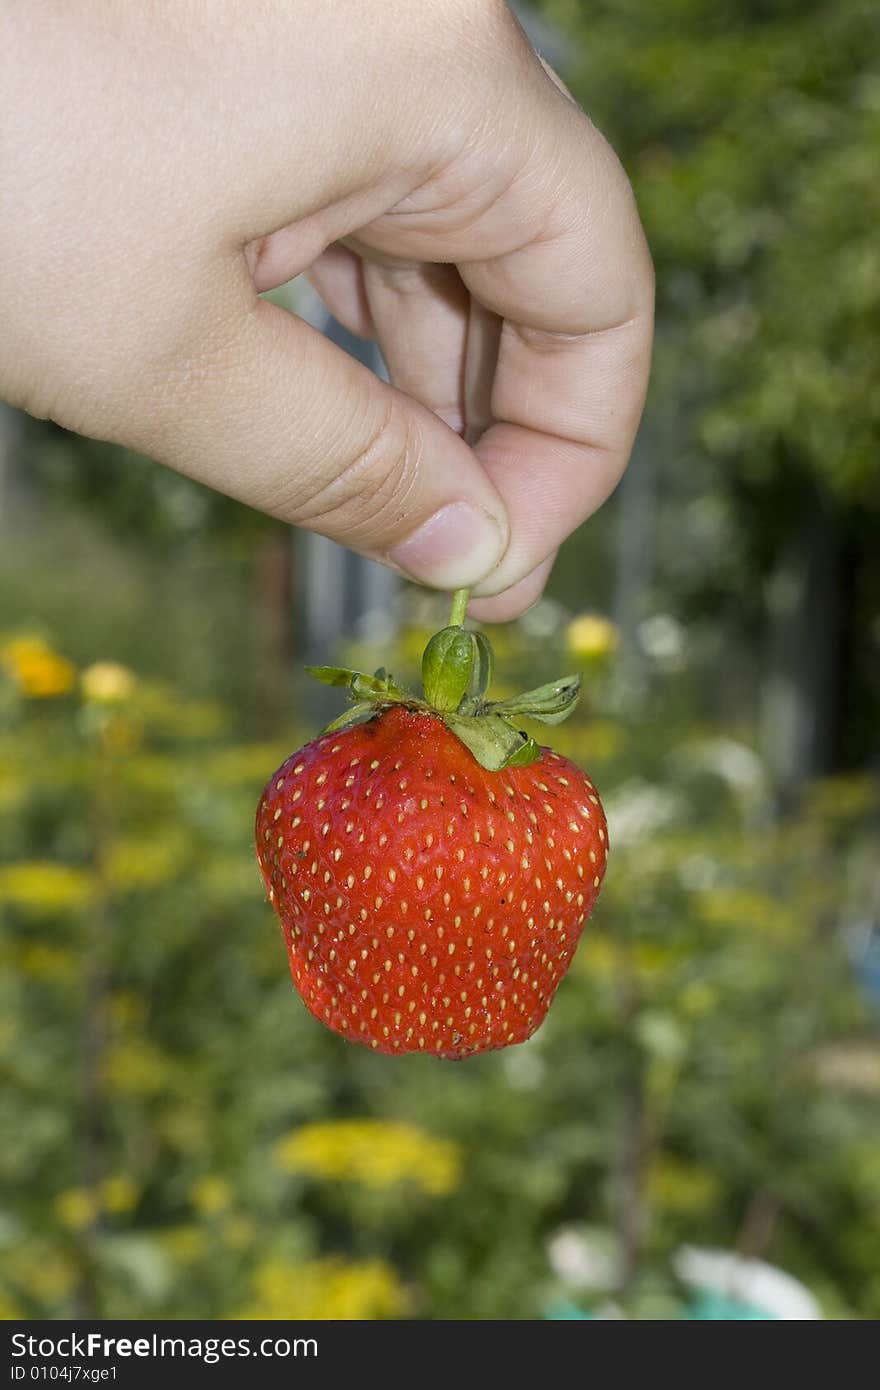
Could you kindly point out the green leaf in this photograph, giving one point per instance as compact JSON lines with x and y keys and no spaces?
{"x":333,"y":675}
{"x":494,"y":743}
{"x":447,"y":664}
{"x":530,"y":752}
{"x":355,"y":715}
{"x":548,"y":703}
{"x":384,"y":688}
{"x":358,"y":682}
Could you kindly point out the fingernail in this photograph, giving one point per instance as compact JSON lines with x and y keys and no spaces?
{"x":453,"y":549}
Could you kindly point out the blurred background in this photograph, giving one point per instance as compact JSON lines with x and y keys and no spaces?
{"x":694,"y":1132}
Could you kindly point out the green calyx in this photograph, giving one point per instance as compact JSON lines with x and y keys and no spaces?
{"x":457,"y":667}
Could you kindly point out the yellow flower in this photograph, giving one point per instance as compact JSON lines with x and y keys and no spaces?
{"x":743,"y":910}
{"x":376,"y":1153}
{"x":184,"y":1243}
{"x":210,"y":1196}
{"x":139,"y":861}
{"x":327,"y":1290}
{"x":76,"y":1208}
{"x":238,"y":1233}
{"x":42,"y":961}
{"x":603,"y":957}
{"x":591,"y":636}
{"x":107,"y":683}
{"x":684,"y":1188}
{"x":41,"y":1272}
{"x":38,"y":671}
{"x":119,"y":1195}
{"x":39,"y":885}
{"x":135,"y":1069}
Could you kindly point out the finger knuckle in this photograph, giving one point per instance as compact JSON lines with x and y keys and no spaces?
{"x":365,"y":496}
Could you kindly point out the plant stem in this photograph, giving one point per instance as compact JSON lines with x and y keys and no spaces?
{"x":459,"y":607}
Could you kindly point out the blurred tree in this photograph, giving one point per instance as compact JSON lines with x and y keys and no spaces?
{"x":751,"y":129}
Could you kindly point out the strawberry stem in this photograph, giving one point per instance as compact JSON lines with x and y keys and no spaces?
{"x":456,"y":674}
{"x":458,"y":611}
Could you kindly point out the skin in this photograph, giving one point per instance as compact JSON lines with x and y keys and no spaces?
{"x":164,"y":163}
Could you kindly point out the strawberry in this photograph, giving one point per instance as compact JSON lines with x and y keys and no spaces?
{"x":431,"y":866}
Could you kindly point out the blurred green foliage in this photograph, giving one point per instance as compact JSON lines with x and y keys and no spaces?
{"x":182,"y":1139}
{"x":750,"y":129}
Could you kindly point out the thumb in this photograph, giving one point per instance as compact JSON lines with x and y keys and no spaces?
{"x":283,"y":420}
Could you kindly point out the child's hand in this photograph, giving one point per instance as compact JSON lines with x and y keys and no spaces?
{"x":163,"y":163}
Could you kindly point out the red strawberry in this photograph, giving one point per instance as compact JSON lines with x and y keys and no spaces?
{"x":427,"y":903}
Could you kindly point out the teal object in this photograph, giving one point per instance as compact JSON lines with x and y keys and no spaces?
{"x":710,"y":1306}
{"x":707,"y":1306}
{"x":564,"y":1311}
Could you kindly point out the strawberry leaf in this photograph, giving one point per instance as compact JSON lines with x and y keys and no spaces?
{"x":494,"y":743}
{"x":529,"y":752}
{"x":359,"y":683}
{"x":549,"y":704}
{"x":357,"y":714}
{"x":333,"y":675}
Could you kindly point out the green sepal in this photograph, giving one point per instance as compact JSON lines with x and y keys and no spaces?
{"x":447,"y":665}
{"x":363,"y":687}
{"x":529,"y":752}
{"x":332,"y":675}
{"x":549,"y":704}
{"x":484,"y":669}
{"x":357,"y":714}
{"x":494,"y":743}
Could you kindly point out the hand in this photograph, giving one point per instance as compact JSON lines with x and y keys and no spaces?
{"x":162,"y":164}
